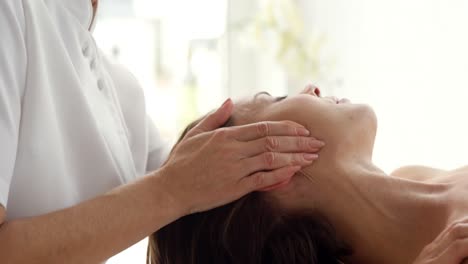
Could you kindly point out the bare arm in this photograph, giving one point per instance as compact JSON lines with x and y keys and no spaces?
{"x":424,"y":173}
{"x":241,"y":160}
{"x":92,"y":231}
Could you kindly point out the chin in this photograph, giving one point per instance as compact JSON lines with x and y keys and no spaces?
{"x":368,"y":111}
{"x":363,"y":113}
{"x":363,"y":120}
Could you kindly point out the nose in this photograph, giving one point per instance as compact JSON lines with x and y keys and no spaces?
{"x":312,"y":90}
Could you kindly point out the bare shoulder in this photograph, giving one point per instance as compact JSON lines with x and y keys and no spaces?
{"x":463,"y":169}
{"x":418,"y":173}
{"x":425,"y":173}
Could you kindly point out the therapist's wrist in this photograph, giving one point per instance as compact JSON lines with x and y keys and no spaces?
{"x":165,"y":194}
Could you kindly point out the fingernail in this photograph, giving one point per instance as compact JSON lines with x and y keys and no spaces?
{"x":296,"y":168}
{"x":320,"y":143}
{"x":315,"y":143}
{"x":310,"y":157}
{"x":302,"y":131}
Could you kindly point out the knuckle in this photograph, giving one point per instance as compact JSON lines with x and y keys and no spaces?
{"x":302,"y":143}
{"x":297,"y":159}
{"x":221,"y":133}
{"x":272,"y":143}
{"x":269,"y":158}
{"x":263,"y":129}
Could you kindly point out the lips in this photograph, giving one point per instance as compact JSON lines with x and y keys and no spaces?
{"x":344,"y":101}
{"x":336,"y":100}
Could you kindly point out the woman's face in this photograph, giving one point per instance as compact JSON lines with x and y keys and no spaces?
{"x":347,"y":129}
{"x":339,"y":123}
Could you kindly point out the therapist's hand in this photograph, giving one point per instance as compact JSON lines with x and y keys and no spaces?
{"x":450,"y":247}
{"x":209,"y":167}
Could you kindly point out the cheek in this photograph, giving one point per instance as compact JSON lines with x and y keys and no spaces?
{"x":305,"y":111}
{"x":295,"y":109}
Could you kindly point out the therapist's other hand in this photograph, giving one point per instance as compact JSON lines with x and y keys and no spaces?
{"x":450,"y":247}
{"x":211,"y":167}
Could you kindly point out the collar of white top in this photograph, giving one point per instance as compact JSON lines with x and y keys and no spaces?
{"x":83,"y":11}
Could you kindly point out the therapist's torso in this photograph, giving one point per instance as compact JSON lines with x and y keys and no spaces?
{"x":73,"y":123}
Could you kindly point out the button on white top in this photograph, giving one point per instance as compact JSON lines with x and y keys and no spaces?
{"x":92,"y":64}
{"x":86,"y":50}
{"x":101,"y":84}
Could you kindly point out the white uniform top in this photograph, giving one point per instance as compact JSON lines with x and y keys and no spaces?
{"x":72,"y":124}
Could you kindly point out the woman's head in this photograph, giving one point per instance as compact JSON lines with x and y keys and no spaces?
{"x":255,"y":229}
{"x":261,"y":227}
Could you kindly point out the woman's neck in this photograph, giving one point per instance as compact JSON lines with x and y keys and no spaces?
{"x":383,"y":218}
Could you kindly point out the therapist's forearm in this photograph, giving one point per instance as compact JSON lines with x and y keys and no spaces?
{"x":92,"y":231}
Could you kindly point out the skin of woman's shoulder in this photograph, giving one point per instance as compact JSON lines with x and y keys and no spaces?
{"x":425,"y":173}
{"x":418,"y":173}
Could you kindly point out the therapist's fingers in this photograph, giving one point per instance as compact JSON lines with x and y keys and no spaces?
{"x":456,"y":231}
{"x":450,"y":246}
{"x":268,"y":128}
{"x":213,"y":120}
{"x":264,"y":180}
{"x":272,"y":161}
{"x":282,"y":144}
{"x":276,"y":186}
{"x":455,"y":253}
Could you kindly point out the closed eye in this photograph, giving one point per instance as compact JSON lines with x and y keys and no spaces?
{"x":277,"y":99}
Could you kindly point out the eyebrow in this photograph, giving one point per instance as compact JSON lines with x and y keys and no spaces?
{"x":261,"y":93}
{"x":277,"y":99}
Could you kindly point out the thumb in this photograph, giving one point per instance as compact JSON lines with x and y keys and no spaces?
{"x":213,"y":120}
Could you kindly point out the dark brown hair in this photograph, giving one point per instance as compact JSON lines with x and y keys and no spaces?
{"x":251,"y":230}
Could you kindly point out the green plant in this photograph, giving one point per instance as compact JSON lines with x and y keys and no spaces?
{"x":279,"y":29}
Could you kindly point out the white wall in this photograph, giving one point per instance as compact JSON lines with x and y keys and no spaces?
{"x":249,"y":71}
{"x":409,"y":60}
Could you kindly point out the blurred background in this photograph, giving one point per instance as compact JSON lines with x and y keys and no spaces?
{"x":407,"y":59}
